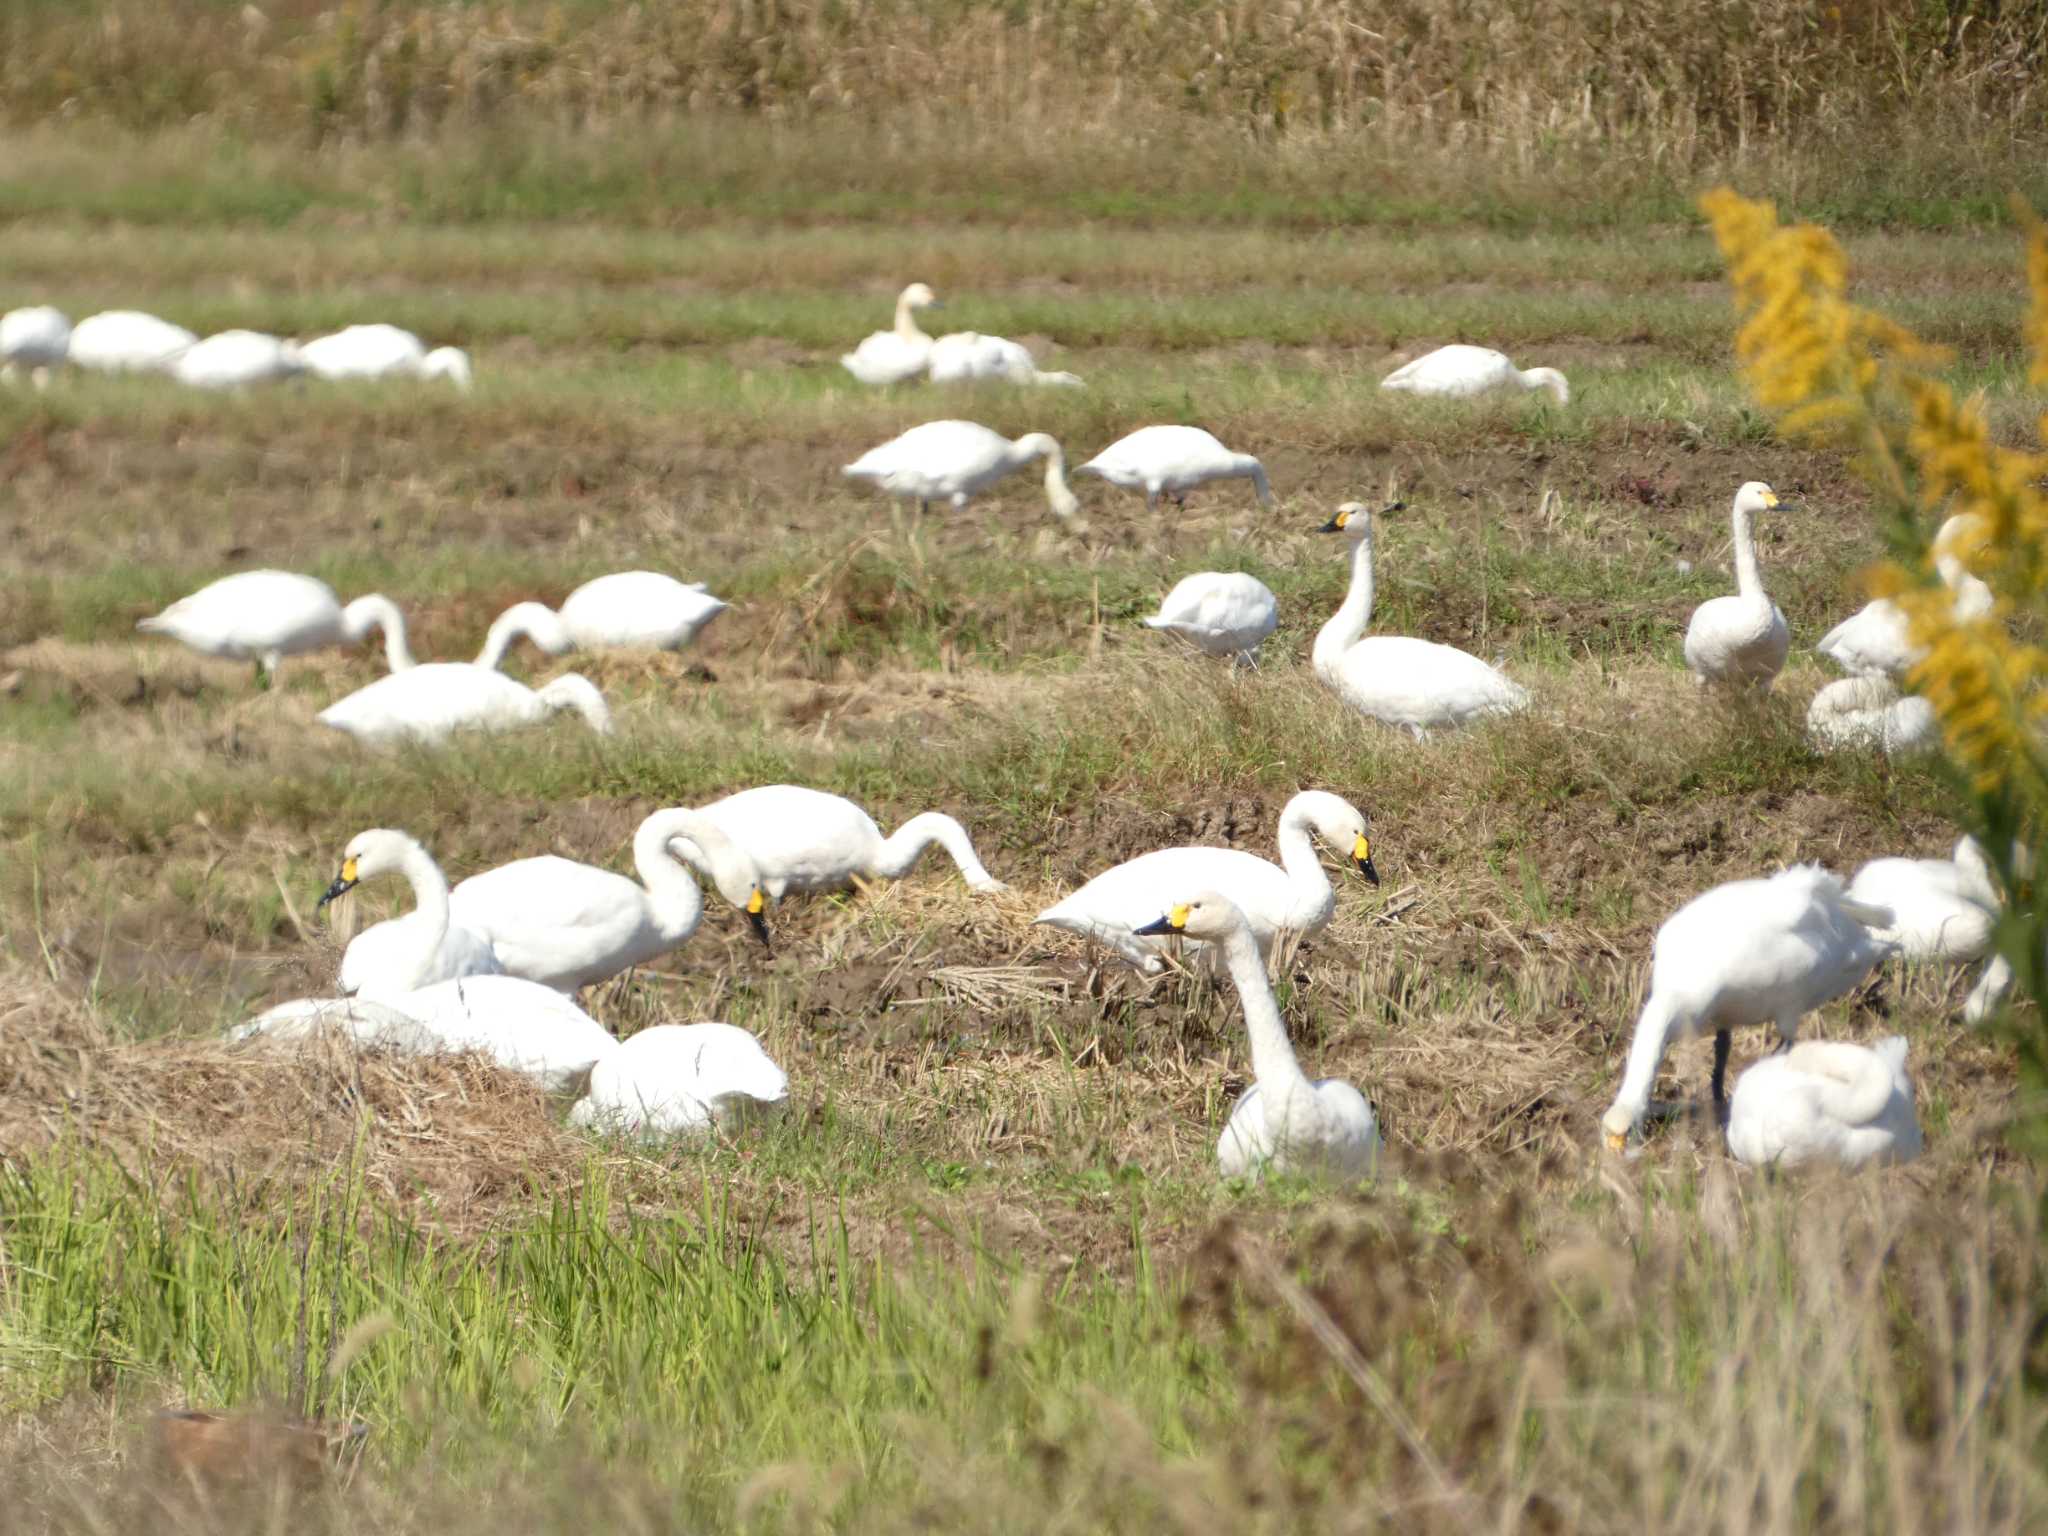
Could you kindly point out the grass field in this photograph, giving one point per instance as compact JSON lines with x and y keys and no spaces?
{"x":983,"y":1277}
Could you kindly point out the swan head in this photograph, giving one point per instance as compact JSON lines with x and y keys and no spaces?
{"x":379,"y":851}
{"x":1615,"y":1126}
{"x":1354,"y":518}
{"x":756,"y":908}
{"x":1205,"y":916}
{"x":451,"y":363}
{"x":1755,"y":496}
{"x":918,"y":296}
{"x":1338,"y":824}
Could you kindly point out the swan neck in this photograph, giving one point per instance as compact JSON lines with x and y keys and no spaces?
{"x":1747,"y":581}
{"x":379,"y":612}
{"x":531,"y":621}
{"x":1256,"y":473}
{"x":906,"y":320}
{"x":672,"y":891}
{"x":1274,"y":1066}
{"x":1353,"y":615}
{"x":1645,"y":1052}
{"x":1305,"y":872}
{"x":901,"y":850}
{"x":430,"y":902}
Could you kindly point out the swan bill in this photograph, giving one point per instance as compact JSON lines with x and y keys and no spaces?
{"x":1617,"y":1141}
{"x":1361,"y":856}
{"x":756,"y":904}
{"x":1342,"y":517}
{"x":1173,"y":922}
{"x":343,"y":883}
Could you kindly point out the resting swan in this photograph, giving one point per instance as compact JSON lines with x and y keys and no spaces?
{"x":431,"y":702}
{"x":383,"y":352}
{"x":890,"y":357}
{"x":1876,"y":640}
{"x":969,"y":355}
{"x":1171,"y":461}
{"x":1284,"y":1122}
{"x":1407,"y":682}
{"x":1224,"y":613}
{"x":628,"y":610}
{"x":1825,"y":1101}
{"x":37,"y":339}
{"x":418,"y":949}
{"x":1942,"y":910}
{"x":1740,"y":639}
{"x":674,"y":1079}
{"x":237,"y":359}
{"x":1291,"y":897}
{"x":127,"y":341}
{"x":1460,"y":371}
{"x":802,"y":839}
{"x":568,"y":925}
{"x":954,"y":460}
{"x":1763,"y":951}
{"x":1871,"y":712}
{"x":265,"y":616}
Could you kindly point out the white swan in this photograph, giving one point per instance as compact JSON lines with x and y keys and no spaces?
{"x":415,"y":950}
{"x":628,"y":610}
{"x":1406,"y":682}
{"x":954,"y":460}
{"x":1224,"y":613}
{"x":127,"y":341}
{"x":1876,"y":640}
{"x":1942,"y":910}
{"x":674,"y":1079}
{"x":1171,"y":461}
{"x":890,"y":357}
{"x":235,"y":360}
{"x":1762,"y":951}
{"x":969,"y":355}
{"x":802,"y":839}
{"x":265,"y":616}
{"x":383,"y":352}
{"x":37,"y":339}
{"x":1291,"y":897}
{"x":1871,"y":712}
{"x":1460,"y":371}
{"x":568,"y":925}
{"x":430,"y":702}
{"x":359,"y":1020}
{"x":1825,"y":1101}
{"x":1740,"y":639}
{"x":1284,"y":1122}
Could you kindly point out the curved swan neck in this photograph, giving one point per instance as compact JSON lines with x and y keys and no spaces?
{"x":430,"y":904}
{"x":378,"y":612}
{"x":672,"y":891}
{"x":1645,"y":1053}
{"x":901,"y":850}
{"x":1058,"y":493}
{"x":906,"y":319}
{"x":1274,"y":1066}
{"x":572,"y":690}
{"x":1747,"y":581}
{"x":1353,"y":615}
{"x":532,"y":621}
{"x":1305,"y":872}
{"x":1254,"y":471}
{"x":1550,"y":379}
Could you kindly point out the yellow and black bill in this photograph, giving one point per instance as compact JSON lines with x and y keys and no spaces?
{"x":757,"y":906}
{"x":1173,"y":922}
{"x":343,"y":884}
{"x":1361,"y":856}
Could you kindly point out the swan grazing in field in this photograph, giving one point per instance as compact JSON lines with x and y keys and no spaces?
{"x":1224,"y":613}
{"x":954,"y":460}
{"x":1876,"y":640}
{"x":1825,"y":1101}
{"x":36,"y":339}
{"x":1943,"y":910}
{"x":1460,"y":371}
{"x":628,"y":610}
{"x":127,"y":341}
{"x":265,"y":616}
{"x":1171,"y":461}
{"x":1740,"y":639}
{"x":675,"y":1079}
{"x":890,"y":357}
{"x":803,"y":839}
{"x":1284,"y":1122}
{"x":969,"y":355}
{"x":431,"y":702}
{"x":1403,"y":681}
{"x":1871,"y":712}
{"x":1763,"y":951}
{"x":236,"y":360}
{"x":383,"y":352}
{"x":1291,"y":897}
{"x":568,"y":925}
{"x":415,"y":950}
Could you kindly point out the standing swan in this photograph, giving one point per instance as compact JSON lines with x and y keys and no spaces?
{"x":127,"y":341}
{"x":36,"y":339}
{"x":1460,"y":371}
{"x":1407,"y":682}
{"x":265,"y":616}
{"x":628,"y":610}
{"x":568,"y":925}
{"x":1171,"y":461}
{"x":1825,"y":1101}
{"x":675,"y":1079}
{"x":954,"y":460}
{"x":1876,"y":640}
{"x":890,"y":357}
{"x":803,"y":839}
{"x":418,"y":949}
{"x":237,"y":359}
{"x":1740,"y":639}
{"x":1284,"y":1122}
{"x":1223,"y":613}
{"x":431,"y":702}
{"x":1748,"y":952}
{"x":1291,"y":897}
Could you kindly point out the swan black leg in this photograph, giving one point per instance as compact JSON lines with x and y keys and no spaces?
{"x":1722,"y":1040}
